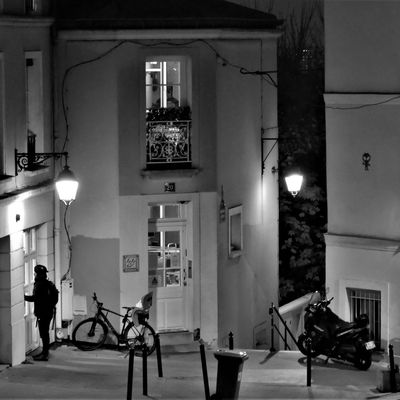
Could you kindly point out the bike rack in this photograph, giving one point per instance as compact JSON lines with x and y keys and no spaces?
{"x":274,"y":327}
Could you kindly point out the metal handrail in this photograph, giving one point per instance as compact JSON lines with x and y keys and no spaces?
{"x":275,"y":327}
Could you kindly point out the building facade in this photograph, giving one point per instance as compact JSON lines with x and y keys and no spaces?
{"x":28,"y":229}
{"x":362,"y":122}
{"x":162,"y":111}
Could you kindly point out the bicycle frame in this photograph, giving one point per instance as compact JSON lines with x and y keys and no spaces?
{"x":125,"y":321}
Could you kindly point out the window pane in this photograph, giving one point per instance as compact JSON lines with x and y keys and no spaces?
{"x":155,"y":211}
{"x":26,"y":242}
{"x":155,"y":239}
{"x":172,"y":239}
{"x":153,"y":260}
{"x":173,"y":277}
{"x":156,"y":279}
{"x":171,"y":211}
{"x":27,"y":273}
{"x":33,"y":240}
{"x":173,"y":72}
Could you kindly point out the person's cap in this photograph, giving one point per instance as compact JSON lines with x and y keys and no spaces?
{"x":40,"y":269}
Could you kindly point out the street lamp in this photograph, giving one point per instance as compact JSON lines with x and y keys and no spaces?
{"x":293,"y":180}
{"x":66,"y":185}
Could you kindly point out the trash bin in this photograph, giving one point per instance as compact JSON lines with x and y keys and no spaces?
{"x":229,"y":374}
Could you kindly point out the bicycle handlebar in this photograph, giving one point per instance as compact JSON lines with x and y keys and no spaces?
{"x":96,"y":300}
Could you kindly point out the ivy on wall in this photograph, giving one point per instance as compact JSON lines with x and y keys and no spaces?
{"x":301,"y":116}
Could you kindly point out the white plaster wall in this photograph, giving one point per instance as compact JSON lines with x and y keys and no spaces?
{"x":35,"y":208}
{"x":106,"y":145}
{"x":247,"y":284}
{"x":359,"y":201}
{"x":362,"y":116}
{"x":367,"y":264}
{"x":14,"y":42}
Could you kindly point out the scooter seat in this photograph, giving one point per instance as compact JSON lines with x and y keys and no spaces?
{"x":344,"y":325}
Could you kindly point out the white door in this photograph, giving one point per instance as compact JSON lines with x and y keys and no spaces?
{"x":31,"y":330}
{"x":167,"y":274}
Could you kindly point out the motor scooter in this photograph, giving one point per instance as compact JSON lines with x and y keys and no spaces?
{"x":329,"y":335}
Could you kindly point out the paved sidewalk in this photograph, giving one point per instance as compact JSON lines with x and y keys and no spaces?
{"x":103,"y":374}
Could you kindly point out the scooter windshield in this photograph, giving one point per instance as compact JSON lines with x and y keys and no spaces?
{"x":315,"y":298}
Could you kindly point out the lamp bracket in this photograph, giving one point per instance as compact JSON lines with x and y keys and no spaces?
{"x":264,"y":158}
{"x":32,"y":161}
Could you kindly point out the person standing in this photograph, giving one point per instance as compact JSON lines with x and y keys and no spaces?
{"x":45,"y":298}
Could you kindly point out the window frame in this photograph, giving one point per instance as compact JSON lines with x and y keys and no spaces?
{"x":189,"y":56}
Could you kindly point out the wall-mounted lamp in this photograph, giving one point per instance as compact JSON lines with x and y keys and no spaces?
{"x":293,"y":183}
{"x":66,"y":183}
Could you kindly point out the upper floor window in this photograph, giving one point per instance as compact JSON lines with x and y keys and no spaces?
{"x":34,"y":97}
{"x":32,"y":7}
{"x":168,"y":113}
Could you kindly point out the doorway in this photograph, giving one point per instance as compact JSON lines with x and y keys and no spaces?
{"x":169,"y":276}
{"x":30,"y":251}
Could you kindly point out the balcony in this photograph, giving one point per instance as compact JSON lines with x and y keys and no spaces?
{"x":168,"y":139}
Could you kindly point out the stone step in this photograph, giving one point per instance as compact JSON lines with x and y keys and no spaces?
{"x":178,"y":341}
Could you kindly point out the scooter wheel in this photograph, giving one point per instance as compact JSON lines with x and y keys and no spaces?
{"x":363,"y":360}
{"x":302,"y":345}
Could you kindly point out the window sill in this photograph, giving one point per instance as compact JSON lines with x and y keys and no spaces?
{"x":169,"y":173}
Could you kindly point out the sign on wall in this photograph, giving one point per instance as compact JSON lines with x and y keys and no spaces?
{"x":130,"y":263}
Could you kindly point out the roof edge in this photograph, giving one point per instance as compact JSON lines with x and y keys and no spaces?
{"x":175,"y":34}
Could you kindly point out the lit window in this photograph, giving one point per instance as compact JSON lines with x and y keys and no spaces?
{"x":168,"y":113}
{"x":163,"y":84}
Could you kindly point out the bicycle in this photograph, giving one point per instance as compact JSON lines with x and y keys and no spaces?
{"x":91,"y":333}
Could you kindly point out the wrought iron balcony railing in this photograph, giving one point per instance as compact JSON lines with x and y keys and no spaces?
{"x":168,"y":144}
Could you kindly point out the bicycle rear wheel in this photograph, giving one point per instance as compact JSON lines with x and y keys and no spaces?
{"x":89,"y":334}
{"x":136,"y":335}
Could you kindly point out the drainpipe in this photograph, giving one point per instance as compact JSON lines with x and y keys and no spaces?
{"x":57,"y":257}
{"x":57,"y":236}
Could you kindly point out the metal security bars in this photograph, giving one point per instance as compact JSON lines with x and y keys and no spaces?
{"x":363,"y":301}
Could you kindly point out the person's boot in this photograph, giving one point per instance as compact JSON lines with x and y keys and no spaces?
{"x":41,"y":357}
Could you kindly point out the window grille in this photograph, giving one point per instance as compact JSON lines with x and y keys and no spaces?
{"x":363,"y":301}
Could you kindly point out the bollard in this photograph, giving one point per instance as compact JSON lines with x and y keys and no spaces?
{"x":308,"y":344}
{"x":158,"y":350}
{"x":393,"y":385}
{"x":144,"y":356}
{"x":130,"y":374}
{"x":230,"y":341}
{"x":204,"y":369}
{"x":271,"y":313}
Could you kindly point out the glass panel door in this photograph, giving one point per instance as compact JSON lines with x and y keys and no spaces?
{"x":31,"y":331}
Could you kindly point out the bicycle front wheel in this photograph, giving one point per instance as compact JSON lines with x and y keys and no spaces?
{"x":137,"y":335}
{"x":89,"y":334}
